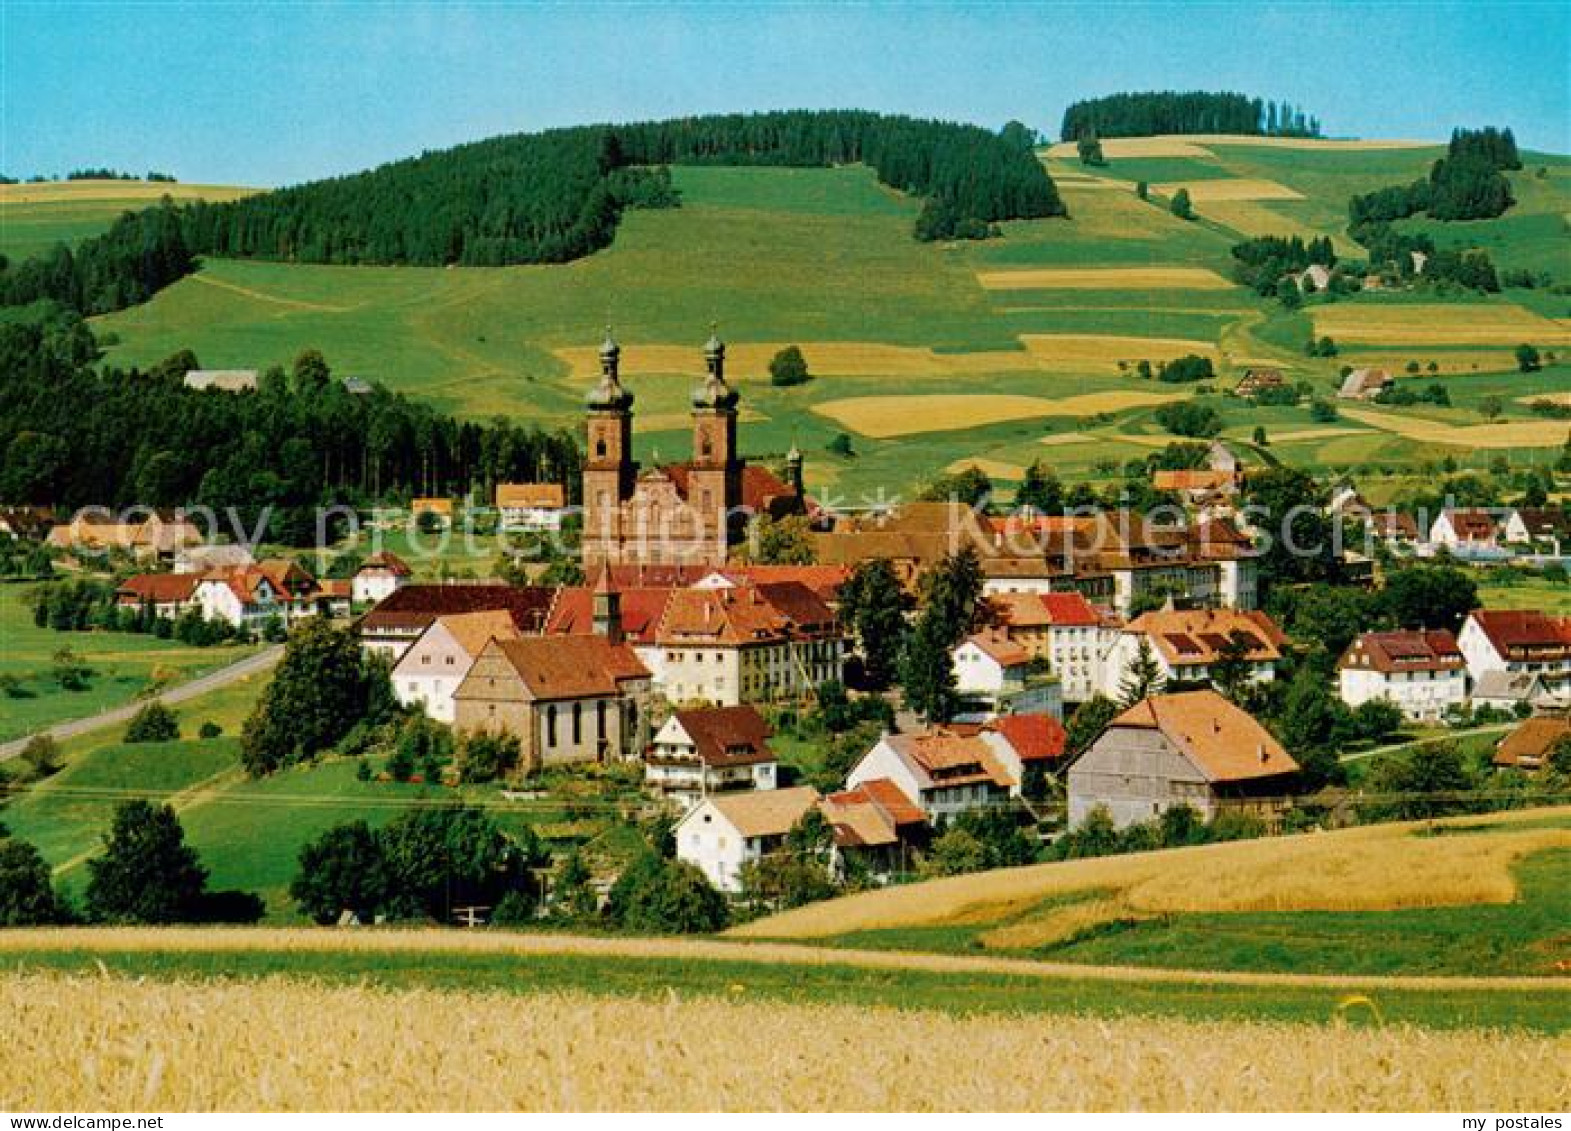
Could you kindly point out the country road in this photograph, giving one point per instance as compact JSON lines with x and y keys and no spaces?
{"x":213,"y":680}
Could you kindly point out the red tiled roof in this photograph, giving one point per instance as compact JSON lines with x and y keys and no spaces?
{"x":728,"y":736}
{"x":415,"y":606}
{"x":570,"y":667}
{"x":641,"y":609}
{"x":762,"y":490}
{"x":159,"y":588}
{"x":1000,"y":648}
{"x":1515,"y":631}
{"x":1222,"y":741}
{"x":1069,"y":609}
{"x":1390,"y":652}
{"x":1035,"y":738}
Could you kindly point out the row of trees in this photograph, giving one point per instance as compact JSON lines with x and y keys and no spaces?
{"x":1262,"y":262}
{"x":1142,"y":114}
{"x":72,"y":435}
{"x":1468,"y":183}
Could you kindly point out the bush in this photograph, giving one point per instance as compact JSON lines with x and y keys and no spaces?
{"x":1186,"y":418}
{"x":654,"y":895}
{"x":209,"y":731}
{"x":27,"y":894}
{"x":147,"y":873}
{"x":153,"y":723}
{"x":344,"y":869}
{"x":789,"y":367}
{"x":41,"y":756}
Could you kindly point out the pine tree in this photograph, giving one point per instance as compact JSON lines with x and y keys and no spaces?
{"x":1142,"y":678}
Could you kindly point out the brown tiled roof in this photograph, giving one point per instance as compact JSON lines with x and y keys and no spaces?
{"x":1035,"y":738}
{"x":159,"y":588}
{"x":1520,"y":633}
{"x":951,"y":759}
{"x":1194,"y":480}
{"x":386,"y":560}
{"x":1223,"y":742}
{"x":744,"y":615}
{"x":1545,"y":522}
{"x":824,"y":580}
{"x":473,"y":631}
{"x":728,"y":736}
{"x":1197,"y":636}
{"x":1528,"y":746}
{"x":415,"y":606}
{"x":1020,"y":610}
{"x":765,"y":812}
{"x":570,"y":667}
{"x":1000,"y":648}
{"x":573,"y":611}
{"x":1390,"y":652}
{"x":547,"y":495}
{"x":874,"y":813}
{"x":1474,"y":525}
{"x":762,"y":490}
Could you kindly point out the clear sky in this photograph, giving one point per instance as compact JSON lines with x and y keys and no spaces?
{"x":270,"y":93}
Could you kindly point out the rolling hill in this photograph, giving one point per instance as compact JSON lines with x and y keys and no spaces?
{"x":1055,"y":309}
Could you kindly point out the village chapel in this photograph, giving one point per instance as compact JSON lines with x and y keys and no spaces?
{"x":689,"y":513}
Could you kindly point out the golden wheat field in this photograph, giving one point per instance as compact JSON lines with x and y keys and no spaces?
{"x":883,"y":417}
{"x":1420,"y":324}
{"x":282,"y":1045}
{"x":1445,"y":361}
{"x":1079,"y":352}
{"x":829,"y":359}
{"x":1103,"y":279}
{"x":1370,"y":868}
{"x":1554,"y":398}
{"x":53,"y":192}
{"x":992,"y":468}
{"x":1512,"y":434}
{"x":1116,"y":147}
{"x":1229,"y":189}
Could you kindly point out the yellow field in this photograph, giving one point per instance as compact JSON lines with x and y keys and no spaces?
{"x":1446,"y":362}
{"x":1103,"y":279}
{"x":1515,"y":434}
{"x":992,"y":468}
{"x":1229,"y":189}
{"x":1370,"y":868}
{"x":1060,"y":438}
{"x":1315,"y":434}
{"x":750,"y":360}
{"x":1556,"y":398}
{"x":51,"y":192}
{"x":281,"y":1045}
{"x":1116,"y":147}
{"x":1325,"y":144}
{"x":1438,"y":324}
{"x":882,"y":417}
{"x":1077,"y":352}
{"x":1195,"y":145}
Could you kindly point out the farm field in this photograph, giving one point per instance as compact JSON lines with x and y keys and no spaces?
{"x":280,"y":1044}
{"x":35,"y":217}
{"x":1476,"y":895}
{"x":124,"y":666}
{"x":823,"y":258}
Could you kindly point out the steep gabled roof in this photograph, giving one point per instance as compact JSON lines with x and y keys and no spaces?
{"x":415,"y":606}
{"x":1515,"y":633}
{"x":1221,"y":741}
{"x":1530,"y":744}
{"x":998,"y":647}
{"x":765,"y":812}
{"x":641,"y":609}
{"x":1391,"y":652}
{"x":943,"y":758}
{"x":385,"y":561}
{"x":159,"y":588}
{"x":727,"y":736}
{"x":570,"y":667}
{"x":1034,"y":738}
{"x":473,"y":631}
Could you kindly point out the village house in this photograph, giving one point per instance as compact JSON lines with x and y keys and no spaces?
{"x":25,"y":523}
{"x":1195,"y":749}
{"x":1257,"y":381}
{"x":378,"y":577}
{"x":223,"y":380}
{"x":749,"y":644}
{"x":989,"y":668}
{"x":533,"y":507}
{"x":1187,"y":643}
{"x":707,"y":751}
{"x":209,"y":556}
{"x":399,"y":618}
{"x":565,"y":698}
{"x":249,"y":596}
{"x":1549,"y":527}
{"x":146,"y":536}
{"x":1422,"y":673}
{"x":878,"y":831}
{"x":725,"y":831}
{"x":165,"y":595}
{"x":435,"y":511}
{"x":1064,"y":629}
{"x":1364,"y":384}
{"x":944,"y":772}
{"x":1467,"y":528}
{"x":431,"y":669}
{"x":1516,"y":692}
{"x":1314,"y":278}
{"x":1518,"y":641}
{"x":1531,"y":744}
{"x":824,"y":580}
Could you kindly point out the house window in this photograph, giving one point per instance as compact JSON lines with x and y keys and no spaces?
{"x":600,"y":720}
{"x":578,"y":723}
{"x":550,"y":725}
{"x":600,"y":447}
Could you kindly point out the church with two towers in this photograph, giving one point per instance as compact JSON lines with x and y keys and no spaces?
{"x":689,"y":513}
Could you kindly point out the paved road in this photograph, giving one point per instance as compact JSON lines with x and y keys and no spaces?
{"x":213,"y":680}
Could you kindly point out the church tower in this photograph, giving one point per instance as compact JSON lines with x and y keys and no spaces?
{"x":716,"y":478}
{"x":609,"y":470}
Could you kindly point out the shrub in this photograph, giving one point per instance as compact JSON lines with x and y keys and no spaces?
{"x":789,"y":367}
{"x":659,"y":896}
{"x":153,"y":723}
{"x":209,"y":730}
{"x":147,"y":873}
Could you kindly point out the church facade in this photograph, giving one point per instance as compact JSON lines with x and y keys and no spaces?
{"x":689,"y":513}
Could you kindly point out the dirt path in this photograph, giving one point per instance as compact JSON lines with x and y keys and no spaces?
{"x":212,"y":681}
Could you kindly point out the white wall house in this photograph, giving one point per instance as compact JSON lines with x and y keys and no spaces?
{"x":1520,"y":642}
{"x":725,"y":831}
{"x":697,"y":754}
{"x":1187,"y":643}
{"x":1463,"y":528}
{"x":1422,"y":673}
{"x":242,"y":598}
{"x":427,"y":674}
{"x":537,"y":507}
{"x":988,"y":667}
{"x":942,"y":772}
{"x":379,"y":577}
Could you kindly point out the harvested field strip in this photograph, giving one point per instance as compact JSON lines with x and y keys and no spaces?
{"x":1553,"y":398}
{"x":1438,"y":324}
{"x":1445,"y":361}
{"x":1376,"y":867}
{"x":1315,"y":434}
{"x":840,"y":359}
{"x":1516,"y":434}
{"x":1326,"y":144}
{"x":282,"y":1045}
{"x":1107,"y":350}
{"x":1115,"y":147}
{"x":1229,"y":189}
{"x":992,"y":468}
{"x":1103,"y":279}
{"x":1061,"y":438}
{"x":134,"y":193}
{"x":23,"y":944}
{"x":883,"y":417}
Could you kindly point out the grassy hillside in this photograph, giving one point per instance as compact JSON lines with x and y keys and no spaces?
{"x":33,"y":218}
{"x":1483,"y":895}
{"x":824,"y":258}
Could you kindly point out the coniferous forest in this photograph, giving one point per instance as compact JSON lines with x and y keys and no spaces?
{"x":70,"y":431}
{"x":537,"y":198}
{"x":1147,"y":113}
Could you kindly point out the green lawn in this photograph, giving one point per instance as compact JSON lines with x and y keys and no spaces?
{"x":1525,"y":592}
{"x":958,"y":993}
{"x":125,"y":665}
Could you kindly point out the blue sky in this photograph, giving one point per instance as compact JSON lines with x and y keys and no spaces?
{"x":271,"y":93}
